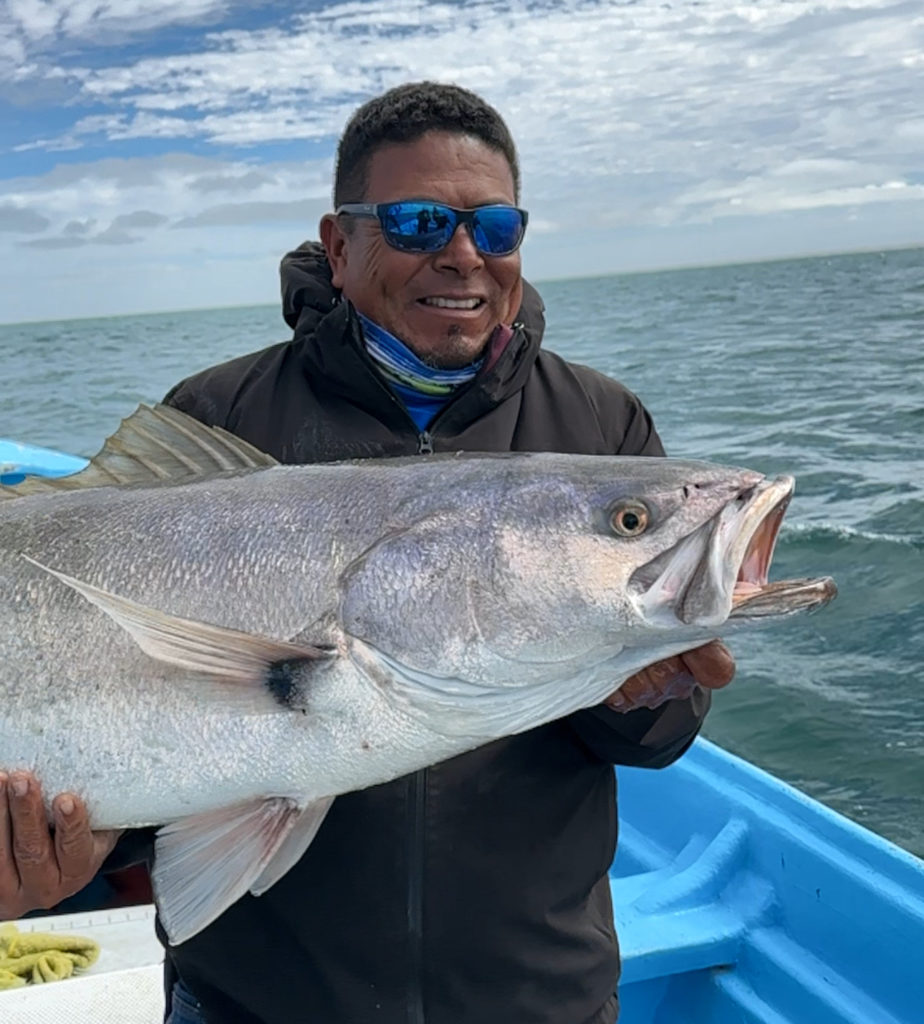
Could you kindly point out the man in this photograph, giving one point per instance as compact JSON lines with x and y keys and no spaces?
{"x":474,"y":890}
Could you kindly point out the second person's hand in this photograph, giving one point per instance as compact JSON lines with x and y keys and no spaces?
{"x":40,"y":866}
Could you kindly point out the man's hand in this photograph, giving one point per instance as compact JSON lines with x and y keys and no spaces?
{"x":711,"y":666}
{"x":39,"y":868}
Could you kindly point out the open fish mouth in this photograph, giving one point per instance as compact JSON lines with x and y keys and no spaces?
{"x":720,"y":571}
{"x":732,"y":580}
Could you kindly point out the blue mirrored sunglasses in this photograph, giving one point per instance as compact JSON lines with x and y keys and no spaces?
{"x":417,"y":225}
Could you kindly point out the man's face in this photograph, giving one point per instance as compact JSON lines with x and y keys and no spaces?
{"x":398,"y":290}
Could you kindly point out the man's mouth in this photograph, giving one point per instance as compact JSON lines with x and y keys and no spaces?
{"x":442,"y":302}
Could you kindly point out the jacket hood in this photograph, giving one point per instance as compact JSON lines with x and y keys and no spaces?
{"x":308,"y":294}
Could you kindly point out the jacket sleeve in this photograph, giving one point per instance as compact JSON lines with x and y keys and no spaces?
{"x":638,"y":435}
{"x":643,"y":738}
{"x":136,"y":846}
{"x":196,"y":403}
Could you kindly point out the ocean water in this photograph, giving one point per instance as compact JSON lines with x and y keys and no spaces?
{"x":813,"y":367}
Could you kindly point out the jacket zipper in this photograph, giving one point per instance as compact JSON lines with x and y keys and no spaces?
{"x":424,"y":437}
{"x":417,"y":799}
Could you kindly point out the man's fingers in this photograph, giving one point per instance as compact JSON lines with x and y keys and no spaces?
{"x":79,"y":851}
{"x":39,"y":868}
{"x":653,"y":684}
{"x":75,"y":845}
{"x":711,"y":665}
{"x":655,"y":677}
{"x":641,"y":694}
{"x":33,"y":848}
{"x":665,"y":680}
{"x":9,"y":875}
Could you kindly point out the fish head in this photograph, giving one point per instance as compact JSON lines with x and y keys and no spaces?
{"x":530,"y":568}
{"x":535,"y":585}
{"x":636,"y":553}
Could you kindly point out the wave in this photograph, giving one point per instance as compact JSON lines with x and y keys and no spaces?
{"x":827,"y":531}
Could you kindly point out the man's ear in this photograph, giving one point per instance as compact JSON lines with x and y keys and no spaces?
{"x":335,"y":244}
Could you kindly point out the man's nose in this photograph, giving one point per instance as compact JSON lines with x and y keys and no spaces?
{"x":460,"y":254}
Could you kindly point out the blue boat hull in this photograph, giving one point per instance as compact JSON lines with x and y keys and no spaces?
{"x":17,"y":461}
{"x":739,"y":899}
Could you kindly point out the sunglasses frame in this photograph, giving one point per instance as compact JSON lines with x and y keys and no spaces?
{"x":466,"y":217}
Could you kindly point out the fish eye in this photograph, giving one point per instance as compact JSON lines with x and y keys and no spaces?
{"x":629,"y":518}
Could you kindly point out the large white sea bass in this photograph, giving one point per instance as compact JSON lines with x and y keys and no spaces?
{"x":195,"y":637}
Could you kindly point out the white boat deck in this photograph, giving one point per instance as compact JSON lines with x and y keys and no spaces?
{"x":124,"y":986}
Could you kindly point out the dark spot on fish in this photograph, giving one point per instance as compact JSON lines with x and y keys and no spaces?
{"x":282,"y":681}
{"x":366,"y":745}
{"x":744,"y":496}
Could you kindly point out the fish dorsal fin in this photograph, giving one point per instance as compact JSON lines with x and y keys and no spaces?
{"x":154,"y":445}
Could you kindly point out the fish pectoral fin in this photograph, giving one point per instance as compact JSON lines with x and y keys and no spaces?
{"x":205,"y":863}
{"x":198,"y":647}
{"x":292,"y":848}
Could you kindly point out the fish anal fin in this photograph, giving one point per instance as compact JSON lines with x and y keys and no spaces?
{"x":200,"y":648}
{"x":205,"y":863}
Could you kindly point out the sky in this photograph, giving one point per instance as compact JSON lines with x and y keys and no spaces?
{"x":164,"y":154}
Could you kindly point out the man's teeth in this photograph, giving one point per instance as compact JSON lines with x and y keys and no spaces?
{"x":452,"y":303}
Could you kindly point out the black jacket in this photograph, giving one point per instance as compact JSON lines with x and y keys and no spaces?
{"x":475,"y":890}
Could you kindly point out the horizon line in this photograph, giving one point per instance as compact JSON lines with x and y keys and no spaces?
{"x":671,"y":268}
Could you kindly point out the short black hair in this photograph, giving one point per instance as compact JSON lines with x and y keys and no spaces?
{"x":404,"y":114}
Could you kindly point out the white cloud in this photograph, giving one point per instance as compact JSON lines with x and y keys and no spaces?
{"x":764,"y":196}
{"x":243,"y":181}
{"x":145,"y":192}
{"x":37,"y":20}
{"x":139,"y":219}
{"x":291,"y":211}
{"x":672,"y":121}
{"x":76,"y":234}
{"x":21,"y":219}
{"x":638,"y":98}
{"x":78,"y":228}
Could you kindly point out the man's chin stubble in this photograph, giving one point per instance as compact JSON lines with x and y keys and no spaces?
{"x":453,"y":353}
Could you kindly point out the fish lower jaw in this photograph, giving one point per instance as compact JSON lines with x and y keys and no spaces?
{"x":782,"y":597}
{"x":740,"y":548}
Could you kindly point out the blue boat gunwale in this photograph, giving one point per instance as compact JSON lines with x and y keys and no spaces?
{"x":17,"y":461}
{"x":730,"y":884}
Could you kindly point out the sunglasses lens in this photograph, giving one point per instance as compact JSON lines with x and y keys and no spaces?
{"x":428,"y":227}
{"x":417,"y":227}
{"x":498,"y":230}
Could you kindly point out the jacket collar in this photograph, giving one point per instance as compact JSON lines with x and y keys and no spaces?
{"x":328,"y":341}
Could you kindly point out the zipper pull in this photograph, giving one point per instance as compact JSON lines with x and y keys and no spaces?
{"x":424,"y":443}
